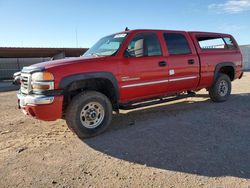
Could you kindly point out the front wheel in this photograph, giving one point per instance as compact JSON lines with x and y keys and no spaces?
{"x":89,"y":114}
{"x":221,"y":89}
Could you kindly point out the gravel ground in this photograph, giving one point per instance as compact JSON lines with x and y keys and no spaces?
{"x":187,"y":143}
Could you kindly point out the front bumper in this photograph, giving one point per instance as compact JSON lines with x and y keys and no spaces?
{"x":25,"y":100}
{"x":48,"y":108}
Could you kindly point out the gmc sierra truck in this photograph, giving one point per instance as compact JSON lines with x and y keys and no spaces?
{"x":129,"y":70}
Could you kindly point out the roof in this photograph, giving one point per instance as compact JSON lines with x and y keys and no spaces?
{"x":10,"y":52}
{"x":167,"y":30}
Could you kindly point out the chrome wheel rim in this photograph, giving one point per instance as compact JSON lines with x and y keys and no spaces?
{"x":223,"y":88}
{"x":92,"y":115}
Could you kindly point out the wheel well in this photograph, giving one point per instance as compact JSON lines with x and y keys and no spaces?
{"x":228,"y":70}
{"x":101,"y":85}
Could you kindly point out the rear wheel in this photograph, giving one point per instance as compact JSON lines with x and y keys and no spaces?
{"x":89,"y":114}
{"x":221,"y":89}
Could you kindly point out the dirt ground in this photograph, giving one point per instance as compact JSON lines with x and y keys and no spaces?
{"x":188,"y":143}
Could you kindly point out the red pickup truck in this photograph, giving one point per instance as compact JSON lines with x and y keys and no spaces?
{"x":128,"y":70}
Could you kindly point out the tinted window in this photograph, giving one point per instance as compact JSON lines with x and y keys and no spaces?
{"x":211,"y":43}
{"x":144,"y":44}
{"x":177,"y":44}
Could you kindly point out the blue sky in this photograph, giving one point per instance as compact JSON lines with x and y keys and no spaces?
{"x":53,"y":23}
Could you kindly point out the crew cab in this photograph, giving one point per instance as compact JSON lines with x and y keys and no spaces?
{"x":129,"y":70}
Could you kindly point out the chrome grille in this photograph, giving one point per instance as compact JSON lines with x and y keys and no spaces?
{"x":25,"y":83}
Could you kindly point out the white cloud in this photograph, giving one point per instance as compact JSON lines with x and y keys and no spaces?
{"x":229,"y":28}
{"x":231,"y":6}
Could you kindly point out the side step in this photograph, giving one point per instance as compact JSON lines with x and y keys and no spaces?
{"x":130,"y":106}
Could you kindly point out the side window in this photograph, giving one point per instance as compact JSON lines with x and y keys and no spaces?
{"x":177,"y":44}
{"x":144,"y":44}
{"x":213,"y":43}
{"x":230,"y":44}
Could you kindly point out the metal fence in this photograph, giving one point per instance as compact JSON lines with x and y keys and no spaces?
{"x":8,"y":66}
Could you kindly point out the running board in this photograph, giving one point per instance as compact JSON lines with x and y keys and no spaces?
{"x":130,"y":106}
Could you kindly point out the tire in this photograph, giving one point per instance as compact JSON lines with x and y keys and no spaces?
{"x":221,"y":88}
{"x":89,"y":114}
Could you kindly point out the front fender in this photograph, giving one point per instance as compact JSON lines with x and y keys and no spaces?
{"x":66,"y":81}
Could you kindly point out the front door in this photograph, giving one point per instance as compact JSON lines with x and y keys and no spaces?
{"x":144,"y":72}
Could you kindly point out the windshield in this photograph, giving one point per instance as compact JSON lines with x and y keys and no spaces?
{"x":107,"y":46}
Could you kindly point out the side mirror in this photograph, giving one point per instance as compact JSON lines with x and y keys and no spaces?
{"x":127,"y":54}
{"x":17,"y":78}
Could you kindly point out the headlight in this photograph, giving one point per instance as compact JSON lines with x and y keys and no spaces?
{"x":42,"y":76}
{"x":41,"y":81}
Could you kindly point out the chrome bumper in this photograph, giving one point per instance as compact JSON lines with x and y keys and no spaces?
{"x":24,"y":100}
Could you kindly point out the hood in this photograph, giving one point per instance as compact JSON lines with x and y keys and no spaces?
{"x":56,"y":63}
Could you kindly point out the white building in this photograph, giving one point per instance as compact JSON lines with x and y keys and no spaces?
{"x":245,"y":49}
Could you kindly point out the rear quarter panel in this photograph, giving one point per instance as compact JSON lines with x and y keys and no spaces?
{"x":209,"y":58}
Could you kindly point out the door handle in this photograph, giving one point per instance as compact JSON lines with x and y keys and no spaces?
{"x":162,"y":64}
{"x":191,"y":62}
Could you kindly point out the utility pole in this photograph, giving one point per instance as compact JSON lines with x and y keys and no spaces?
{"x":76,"y":38}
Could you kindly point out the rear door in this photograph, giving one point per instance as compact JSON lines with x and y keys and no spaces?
{"x":183,"y":62}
